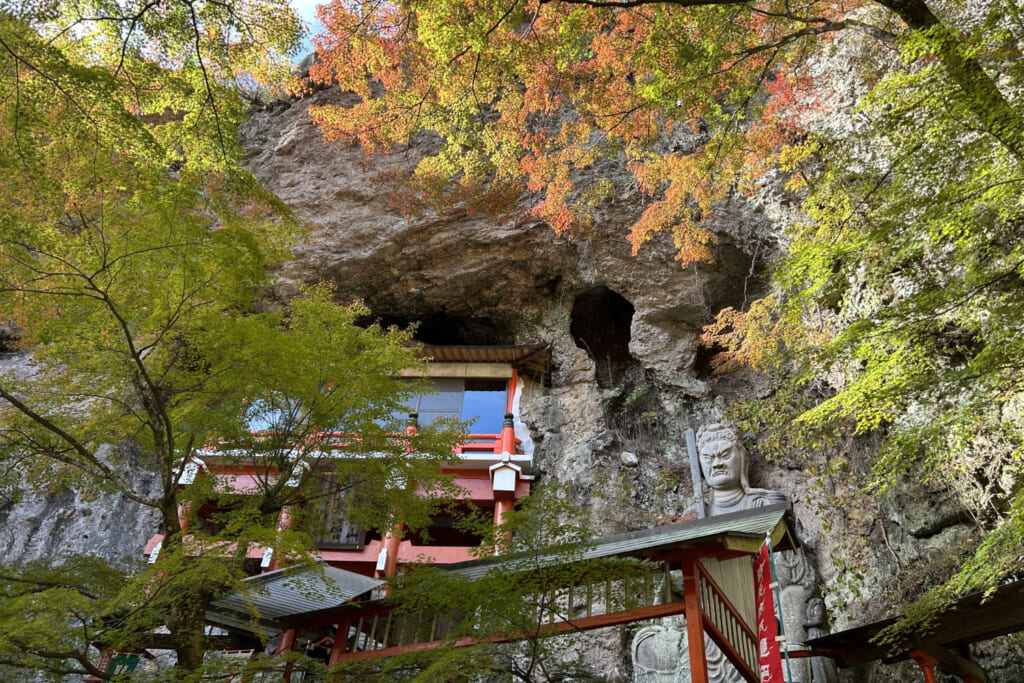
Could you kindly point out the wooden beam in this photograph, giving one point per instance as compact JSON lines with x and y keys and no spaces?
{"x":750,"y":545}
{"x":460,"y":370}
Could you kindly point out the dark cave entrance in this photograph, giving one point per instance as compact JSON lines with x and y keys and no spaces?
{"x":600,"y":325}
{"x":704,"y":360}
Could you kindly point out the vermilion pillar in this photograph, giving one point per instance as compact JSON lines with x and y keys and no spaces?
{"x":390,"y":542}
{"x":927,"y":664}
{"x":393,"y":537}
{"x":340,"y":642}
{"x":286,"y":643}
{"x":508,"y":435}
{"x":284,"y":523}
{"x":184,"y":514}
{"x":503,"y":505}
{"x":694,"y":622}
{"x":510,"y":399}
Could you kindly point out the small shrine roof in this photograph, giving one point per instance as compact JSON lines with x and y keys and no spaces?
{"x":285,"y":592}
{"x":971,"y":619}
{"x":739,"y":532}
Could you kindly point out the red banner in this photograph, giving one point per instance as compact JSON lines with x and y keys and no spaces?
{"x":769,"y":658}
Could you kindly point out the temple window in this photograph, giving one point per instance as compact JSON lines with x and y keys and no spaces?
{"x":325,"y":514}
{"x":481,"y":402}
{"x":448,"y":528}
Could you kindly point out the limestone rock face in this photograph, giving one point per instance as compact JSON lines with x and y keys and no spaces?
{"x":461,"y":265}
{"x":46,"y":524}
{"x":627,"y":375}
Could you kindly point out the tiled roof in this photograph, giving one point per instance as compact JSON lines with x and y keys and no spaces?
{"x":747,"y":528}
{"x":266,"y":598}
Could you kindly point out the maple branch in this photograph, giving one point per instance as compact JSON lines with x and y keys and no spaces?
{"x":487,"y":34}
{"x":961,"y":300}
{"x":210,"y":97}
{"x":133,"y":20}
{"x":81,"y":658}
{"x":46,"y":583}
{"x":19,"y":59}
{"x":875,"y":32}
{"x":78,"y":447}
{"x":824,"y":26}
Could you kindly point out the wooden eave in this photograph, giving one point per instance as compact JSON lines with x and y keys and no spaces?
{"x":739,"y":532}
{"x":533,"y":360}
{"x":971,"y":619}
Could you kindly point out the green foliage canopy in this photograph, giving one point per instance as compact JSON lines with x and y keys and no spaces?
{"x":132,"y":250}
{"x":905,"y":284}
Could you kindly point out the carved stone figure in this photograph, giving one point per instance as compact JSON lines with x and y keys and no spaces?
{"x":723,"y":462}
{"x":660,"y":652}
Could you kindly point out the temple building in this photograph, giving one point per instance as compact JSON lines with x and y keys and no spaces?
{"x":492,"y":468}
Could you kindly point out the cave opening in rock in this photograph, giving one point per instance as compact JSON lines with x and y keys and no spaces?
{"x":704,"y":360}
{"x":600,"y":325}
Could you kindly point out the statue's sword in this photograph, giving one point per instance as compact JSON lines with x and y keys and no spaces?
{"x":698,"y":493}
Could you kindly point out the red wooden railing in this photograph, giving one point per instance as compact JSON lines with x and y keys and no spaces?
{"x":726,"y":627}
{"x":379,"y":631}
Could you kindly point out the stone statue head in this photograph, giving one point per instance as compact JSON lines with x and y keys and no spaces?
{"x":723,"y":459}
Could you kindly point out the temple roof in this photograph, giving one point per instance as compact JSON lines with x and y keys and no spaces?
{"x":270,"y":597}
{"x":741,"y":532}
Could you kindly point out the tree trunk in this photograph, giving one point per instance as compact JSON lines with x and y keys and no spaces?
{"x":982,"y":96}
{"x":188,"y":616}
{"x":186,"y":619}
